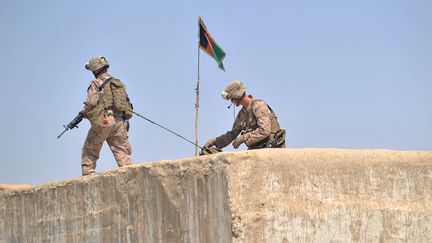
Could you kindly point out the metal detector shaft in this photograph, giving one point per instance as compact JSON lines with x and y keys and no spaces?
{"x":178,"y":135}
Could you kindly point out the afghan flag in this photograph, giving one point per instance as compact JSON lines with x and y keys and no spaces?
{"x":208,"y":44}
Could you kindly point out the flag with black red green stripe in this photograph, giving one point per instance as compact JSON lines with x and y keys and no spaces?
{"x":208,"y":44}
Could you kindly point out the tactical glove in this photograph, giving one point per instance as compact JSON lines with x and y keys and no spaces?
{"x":238,"y":141}
{"x":210,"y":143}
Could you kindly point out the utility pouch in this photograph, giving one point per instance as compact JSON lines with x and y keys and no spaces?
{"x":277,"y":140}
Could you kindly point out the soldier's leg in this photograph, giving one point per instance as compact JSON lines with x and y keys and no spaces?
{"x":119,"y":144}
{"x":91,"y":150}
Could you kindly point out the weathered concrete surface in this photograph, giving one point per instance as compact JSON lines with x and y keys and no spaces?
{"x":14,"y":186}
{"x":330,"y":195}
{"x":279,"y":195}
{"x":169,"y":201}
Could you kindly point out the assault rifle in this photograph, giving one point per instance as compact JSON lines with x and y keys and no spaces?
{"x":74,"y":123}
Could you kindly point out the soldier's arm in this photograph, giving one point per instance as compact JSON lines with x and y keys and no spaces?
{"x":262,"y":114}
{"x":92,"y":97}
{"x":227,"y":138}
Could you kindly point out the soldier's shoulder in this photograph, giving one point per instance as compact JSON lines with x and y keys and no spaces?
{"x":257,"y":103}
{"x":93,"y":84}
{"x":260,"y":108}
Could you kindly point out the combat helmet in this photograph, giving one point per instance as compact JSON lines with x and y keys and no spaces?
{"x":234,"y":90}
{"x":96,"y":63}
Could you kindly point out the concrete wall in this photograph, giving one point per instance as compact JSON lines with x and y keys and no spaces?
{"x":331,"y":195}
{"x":279,"y":195}
{"x":172,"y":201}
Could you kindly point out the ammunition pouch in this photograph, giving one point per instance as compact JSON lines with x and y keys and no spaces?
{"x":277,"y":140}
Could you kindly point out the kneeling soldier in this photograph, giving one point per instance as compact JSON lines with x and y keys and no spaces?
{"x":256,"y":122}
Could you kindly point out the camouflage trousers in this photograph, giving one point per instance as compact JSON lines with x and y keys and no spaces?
{"x":117,"y":139}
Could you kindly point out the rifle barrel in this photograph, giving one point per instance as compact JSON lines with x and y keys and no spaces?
{"x":62,"y":133}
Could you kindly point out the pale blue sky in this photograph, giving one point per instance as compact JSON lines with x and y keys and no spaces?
{"x":345,"y":74}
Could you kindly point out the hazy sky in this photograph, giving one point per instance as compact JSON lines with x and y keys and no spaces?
{"x":345,"y":74}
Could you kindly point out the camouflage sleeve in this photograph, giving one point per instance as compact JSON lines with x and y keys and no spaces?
{"x":92,"y":96}
{"x":225,"y":139}
{"x":262,"y":114}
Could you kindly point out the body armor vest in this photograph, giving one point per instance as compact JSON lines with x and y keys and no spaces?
{"x":112,"y":96}
{"x":277,"y":135}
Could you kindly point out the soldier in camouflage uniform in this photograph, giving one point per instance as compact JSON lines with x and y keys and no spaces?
{"x":256,"y":122}
{"x":110,"y":125}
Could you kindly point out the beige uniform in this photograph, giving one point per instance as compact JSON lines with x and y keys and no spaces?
{"x":256,"y":123}
{"x":114,"y":133}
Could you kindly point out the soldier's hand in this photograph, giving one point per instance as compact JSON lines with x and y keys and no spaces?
{"x":210,"y":143}
{"x":238,"y":141}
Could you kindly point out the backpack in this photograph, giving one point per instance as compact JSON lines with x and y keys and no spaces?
{"x":120,"y":99}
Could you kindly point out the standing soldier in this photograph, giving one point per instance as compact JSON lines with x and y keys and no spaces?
{"x":108,"y":108}
{"x":256,"y":122}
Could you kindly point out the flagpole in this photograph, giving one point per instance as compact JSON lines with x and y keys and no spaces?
{"x":197,"y":103}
